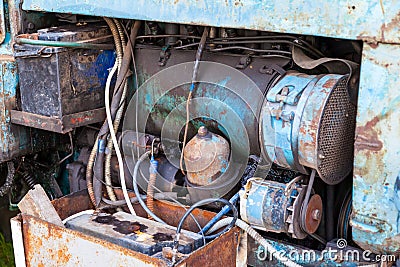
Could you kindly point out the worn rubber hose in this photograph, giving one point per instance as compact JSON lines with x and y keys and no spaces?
{"x":136,"y":188}
{"x":5,"y":188}
{"x":89,"y":172}
{"x":257,"y":237}
{"x":120,"y":51}
{"x":123,"y":73}
{"x":151,"y":184}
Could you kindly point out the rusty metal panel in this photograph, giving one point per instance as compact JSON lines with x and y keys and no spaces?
{"x":366,"y":20}
{"x":46,"y":244}
{"x":376,"y":185}
{"x":62,"y":125}
{"x":49,"y":245}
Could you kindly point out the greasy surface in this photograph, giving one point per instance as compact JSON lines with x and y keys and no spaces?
{"x":358,"y":19}
{"x":134,"y":232}
{"x":376,"y":196}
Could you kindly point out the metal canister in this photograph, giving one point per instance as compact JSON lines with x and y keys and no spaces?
{"x":206,"y":157}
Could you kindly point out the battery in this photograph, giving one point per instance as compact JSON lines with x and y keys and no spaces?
{"x":57,"y":81}
{"x":134,"y":232}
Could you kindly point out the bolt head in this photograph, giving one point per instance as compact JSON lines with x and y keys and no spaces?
{"x":316,"y":215}
{"x":202,"y":131}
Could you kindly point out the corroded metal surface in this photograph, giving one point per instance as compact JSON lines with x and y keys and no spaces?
{"x":46,"y":244}
{"x":366,"y":20}
{"x":59,"y":125}
{"x":49,"y":245}
{"x":313,"y":124}
{"x":376,"y":184}
{"x":206,"y":157}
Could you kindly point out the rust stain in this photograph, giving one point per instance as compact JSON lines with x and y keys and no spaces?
{"x":220,"y":252}
{"x":330,"y":83}
{"x":79,"y":120}
{"x":392,"y":25}
{"x":367,"y":137}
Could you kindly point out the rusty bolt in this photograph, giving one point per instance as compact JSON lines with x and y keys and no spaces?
{"x":202,"y":131}
{"x":316,"y":215}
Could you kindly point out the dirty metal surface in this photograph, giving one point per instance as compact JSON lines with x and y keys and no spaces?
{"x":365,"y":20}
{"x":134,"y":232}
{"x":59,"y":125}
{"x":206,"y":157}
{"x":77,"y":249}
{"x":218,"y":84}
{"x":376,"y":184}
{"x":49,"y":245}
{"x":14,"y":139}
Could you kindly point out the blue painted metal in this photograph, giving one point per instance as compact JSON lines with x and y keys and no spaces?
{"x":376,"y":203}
{"x":280,"y":113}
{"x":220,"y":214}
{"x":265,"y":205}
{"x":358,"y":19}
{"x":14,"y":140}
{"x":376,"y":184}
{"x":296,"y":109}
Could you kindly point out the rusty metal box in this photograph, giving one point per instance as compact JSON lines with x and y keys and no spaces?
{"x":56,"y":81}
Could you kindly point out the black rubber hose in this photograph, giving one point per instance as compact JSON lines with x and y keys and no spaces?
{"x":98,"y":175}
{"x":329,"y":212}
{"x":5,"y":188}
{"x":201,"y":203}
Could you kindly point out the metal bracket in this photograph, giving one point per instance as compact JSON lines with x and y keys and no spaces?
{"x":281,"y":98}
{"x":164,"y":56}
{"x":243,"y":62}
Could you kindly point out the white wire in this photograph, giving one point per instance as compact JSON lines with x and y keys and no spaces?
{"x":174,"y":201}
{"x":115,"y":141}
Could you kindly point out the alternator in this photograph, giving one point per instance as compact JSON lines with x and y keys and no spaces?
{"x":277,"y":207}
{"x":308,"y":121}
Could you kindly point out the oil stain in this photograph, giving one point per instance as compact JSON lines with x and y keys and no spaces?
{"x":123,"y":227}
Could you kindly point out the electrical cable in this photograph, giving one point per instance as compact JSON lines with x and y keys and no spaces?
{"x":119,"y":47}
{"x":250,"y":49}
{"x":167,"y":35}
{"x":257,"y":237}
{"x":115,"y":142}
{"x":310,"y":50}
{"x":168,"y":197}
{"x":198,"y":204}
{"x":220,"y":214}
{"x":89,"y":172}
{"x":19,"y":40}
{"x":192,"y":86}
{"x":152,"y":180}
{"x":136,"y":189}
{"x":141,"y":202}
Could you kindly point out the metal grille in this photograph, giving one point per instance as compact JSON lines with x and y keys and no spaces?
{"x":336,"y":136}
